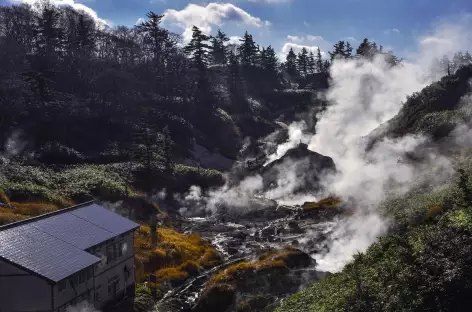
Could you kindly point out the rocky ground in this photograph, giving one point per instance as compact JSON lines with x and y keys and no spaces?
{"x":293,"y":234}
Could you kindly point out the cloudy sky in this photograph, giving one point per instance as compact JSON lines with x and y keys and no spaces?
{"x":288,"y":23}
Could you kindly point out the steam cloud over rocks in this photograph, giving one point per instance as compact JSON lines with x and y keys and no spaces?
{"x":363,"y":96}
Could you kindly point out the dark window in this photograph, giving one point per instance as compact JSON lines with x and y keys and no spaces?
{"x":110,"y":254}
{"x":62,"y":285}
{"x":98,"y":296}
{"x":120,"y":249}
{"x":82,"y":276}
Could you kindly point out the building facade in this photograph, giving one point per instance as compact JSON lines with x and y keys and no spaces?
{"x":58,"y":260}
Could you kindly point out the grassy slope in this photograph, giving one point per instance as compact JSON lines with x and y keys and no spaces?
{"x":426,"y":264}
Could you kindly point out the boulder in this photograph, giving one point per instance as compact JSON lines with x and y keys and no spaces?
{"x":308,"y":166}
{"x":216,"y":298}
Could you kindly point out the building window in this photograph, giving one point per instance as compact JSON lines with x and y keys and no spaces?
{"x":110,"y":254}
{"x":98,"y":296}
{"x":89,"y":273}
{"x":120,"y":249}
{"x":82,"y":276}
{"x":62,"y":285}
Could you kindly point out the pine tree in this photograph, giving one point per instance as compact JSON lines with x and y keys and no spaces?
{"x":319,"y":61}
{"x":236,"y":87}
{"x":291,"y":63}
{"x":348,"y":50}
{"x":445,"y":65}
{"x":197,"y":48}
{"x":218,"y":50}
{"x":166,"y":146}
{"x":364,"y":48}
{"x":269,"y":60}
{"x":156,"y":38}
{"x":311,"y":63}
{"x":302,"y":62}
{"x":48,"y":33}
{"x":339,"y":50}
{"x":248,"y":51}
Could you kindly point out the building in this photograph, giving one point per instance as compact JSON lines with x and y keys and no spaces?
{"x":57,"y":260}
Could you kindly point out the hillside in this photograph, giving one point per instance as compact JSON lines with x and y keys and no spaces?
{"x":424,"y":262}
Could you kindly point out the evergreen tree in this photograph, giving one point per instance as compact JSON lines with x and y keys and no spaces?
{"x":269,"y":60}
{"x":49,"y":34}
{"x":248,"y":51}
{"x":218,"y":50}
{"x":311,"y":63}
{"x":364,"y":48}
{"x":291,"y":63}
{"x":302,"y":62}
{"x":166,"y":146}
{"x":348,"y":50}
{"x":319,"y":61}
{"x":339,"y":50}
{"x":197,"y":48}
{"x":156,"y":38}
{"x":236,"y":88}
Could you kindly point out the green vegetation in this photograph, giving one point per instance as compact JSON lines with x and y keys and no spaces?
{"x":424,"y":266}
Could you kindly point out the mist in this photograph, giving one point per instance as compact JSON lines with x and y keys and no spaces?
{"x":364,"y":95}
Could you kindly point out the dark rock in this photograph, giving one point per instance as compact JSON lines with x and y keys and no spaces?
{"x":295,"y":243}
{"x":306,"y":164}
{"x":216,"y":298}
{"x":257,"y":303}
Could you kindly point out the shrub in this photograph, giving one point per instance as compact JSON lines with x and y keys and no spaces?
{"x":171,"y":274}
{"x":329,"y":202}
{"x":33,"y":209}
{"x":4,"y":198}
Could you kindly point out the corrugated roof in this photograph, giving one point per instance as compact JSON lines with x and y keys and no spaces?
{"x":53,"y":245}
{"x":73,"y":230}
{"x":105,"y":219}
{"x":42,"y":253}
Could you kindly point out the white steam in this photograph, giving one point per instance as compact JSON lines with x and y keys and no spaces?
{"x":296,"y":135}
{"x":363,"y":95}
{"x":82,"y":307}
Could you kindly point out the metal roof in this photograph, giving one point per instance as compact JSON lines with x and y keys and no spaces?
{"x":42,"y":253}
{"x":53,"y":245}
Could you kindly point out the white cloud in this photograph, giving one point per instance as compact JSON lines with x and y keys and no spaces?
{"x":234,"y":40}
{"x":350,"y":39}
{"x":75,"y":5}
{"x":205,"y":17}
{"x":392,"y":31}
{"x":270,"y":1}
{"x":309,"y":42}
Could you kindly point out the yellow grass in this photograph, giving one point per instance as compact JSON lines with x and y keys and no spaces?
{"x":33,"y":209}
{"x":184,"y":253}
{"x":328,"y":202}
{"x":171,"y":274}
{"x":7,"y":215}
{"x":245,"y":268}
{"x":3,"y":197}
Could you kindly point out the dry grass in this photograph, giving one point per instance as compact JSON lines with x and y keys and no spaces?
{"x":7,"y":215}
{"x":179,"y":252}
{"x":171,"y":274}
{"x":33,"y":209}
{"x":4,"y":198}
{"x":246,"y":269}
{"x":328,"y":202}
{"x":433,"y":211}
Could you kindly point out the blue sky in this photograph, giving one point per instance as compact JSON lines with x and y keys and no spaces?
{"x":289,"y":23}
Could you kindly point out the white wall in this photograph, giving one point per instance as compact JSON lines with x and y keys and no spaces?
{"x":69,"y":293}
{"x":22,"y":291}
{"x":107,"y":273}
